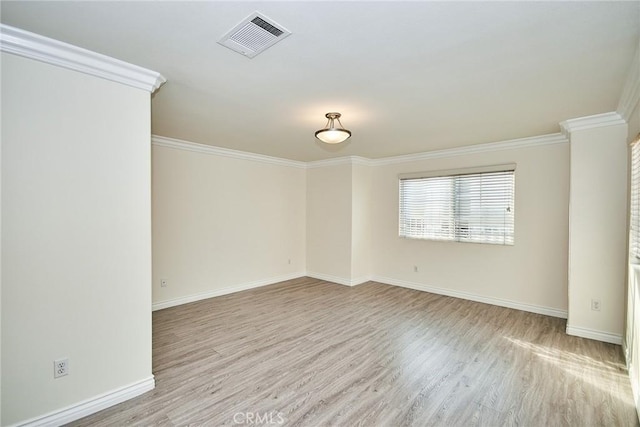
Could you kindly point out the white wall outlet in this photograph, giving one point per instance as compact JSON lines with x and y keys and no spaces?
{"x":595,"y":304}
{"x":415,"y":268}
{"x":289,"y":260}
{"x":60,"y":368}
{"x":164,"y":283}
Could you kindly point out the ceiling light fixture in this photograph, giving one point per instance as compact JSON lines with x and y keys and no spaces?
{"x":332,"y":134}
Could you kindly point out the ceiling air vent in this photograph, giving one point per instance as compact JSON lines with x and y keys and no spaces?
{"x":254,"y":35}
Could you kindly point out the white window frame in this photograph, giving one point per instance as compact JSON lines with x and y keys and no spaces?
{"x":472,"y":205}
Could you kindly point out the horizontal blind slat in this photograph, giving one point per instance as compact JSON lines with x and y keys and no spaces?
{"x":634,"y":232}
{"x":471,"y":208}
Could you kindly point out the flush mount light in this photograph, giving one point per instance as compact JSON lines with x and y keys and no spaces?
{"x":332,"y":134}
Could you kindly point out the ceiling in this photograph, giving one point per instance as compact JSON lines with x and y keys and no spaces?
{"x":407,"y":77}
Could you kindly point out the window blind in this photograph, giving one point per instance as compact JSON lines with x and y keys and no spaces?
{"x":634,"y":226}
{"x":472,"y":207}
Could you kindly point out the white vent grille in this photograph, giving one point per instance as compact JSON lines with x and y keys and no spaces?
{"x":254,"y":35}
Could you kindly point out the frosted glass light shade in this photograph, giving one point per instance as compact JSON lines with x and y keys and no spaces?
{"x":331,"y":134}
{"x":335,"y":136}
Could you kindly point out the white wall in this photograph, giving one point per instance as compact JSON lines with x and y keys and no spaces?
{"x":76,"y":237}
{"x":329,"y":224}
{"x":222,"y":224}
{"x":361,"y":223}
{"x":598,"y":231}
{"x":532,"y":274}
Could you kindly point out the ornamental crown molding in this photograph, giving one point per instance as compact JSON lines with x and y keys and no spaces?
{"x":347,"y":160}
{"x":179,"y":144}
{"x":535,"y":141}
{"x":40,"y":48}
{"x":591,"y":122}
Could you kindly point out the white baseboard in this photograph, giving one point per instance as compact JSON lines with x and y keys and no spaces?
{"x":360,"y":280}
{"x":223,"y":291}
{"x":338,"y":280}
{"x":91,"y":406}
{"x":548,"y":311}
{"x":625,"y":353}
{"x":329,"y":278}
{"x":594,"y":334}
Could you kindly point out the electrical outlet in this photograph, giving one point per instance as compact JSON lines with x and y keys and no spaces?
{"x":415,"y":268}
{"x":163,"y":283}
{"x":289,"y":260}
{"x":595,"y":304}
{"x":60,"y":368}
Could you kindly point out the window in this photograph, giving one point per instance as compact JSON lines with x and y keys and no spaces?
{"x":474,"y":205}
{"x":634,"y":226}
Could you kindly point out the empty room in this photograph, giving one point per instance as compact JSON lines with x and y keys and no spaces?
{"x":319,"y":213}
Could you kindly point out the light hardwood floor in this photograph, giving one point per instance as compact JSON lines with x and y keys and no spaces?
{"x":308,"y":352}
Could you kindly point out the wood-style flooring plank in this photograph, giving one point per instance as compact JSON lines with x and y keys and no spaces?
{"x":311,"y":353}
